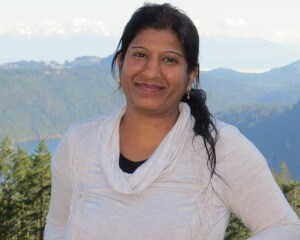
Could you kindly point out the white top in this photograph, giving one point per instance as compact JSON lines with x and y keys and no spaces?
{"x":171,"y":195}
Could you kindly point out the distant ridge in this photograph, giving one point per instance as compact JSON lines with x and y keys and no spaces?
{"x":40,"y":99}
{"x":275,"y":130}
{"x":228,"y":88}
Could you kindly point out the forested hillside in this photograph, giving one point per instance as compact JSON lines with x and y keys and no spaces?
{"x":275,"y":130}
{"x":41,"y":99}
{"x":227,"y":88}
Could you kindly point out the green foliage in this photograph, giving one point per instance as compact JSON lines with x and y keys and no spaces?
{"x":6,"y":184}
{"x":56,"y":95}
{"x":24,"y":191}
{"x":22,"y":195}
{"x":40,"y":186}
{"x":290,"y":189}
{"x":236,"y":229}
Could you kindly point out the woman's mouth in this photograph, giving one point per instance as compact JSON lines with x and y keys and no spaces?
{"x":148,"y":87}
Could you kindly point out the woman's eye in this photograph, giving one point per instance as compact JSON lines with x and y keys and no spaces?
{"x":140,"y":55}
{"x":170,"y":60}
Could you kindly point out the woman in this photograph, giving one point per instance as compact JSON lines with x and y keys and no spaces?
{"x":161,"y":167}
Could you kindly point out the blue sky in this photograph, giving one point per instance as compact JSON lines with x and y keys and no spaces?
{"x":238,"y":34}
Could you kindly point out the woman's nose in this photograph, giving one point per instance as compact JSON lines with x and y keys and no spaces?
{"x":152,"y":69}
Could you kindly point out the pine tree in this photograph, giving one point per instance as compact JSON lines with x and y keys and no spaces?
{"x":40,"y":187}
{"x":6,"y":213}
{"x":21,"y":188}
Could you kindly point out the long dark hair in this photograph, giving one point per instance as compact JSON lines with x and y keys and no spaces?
{"x":165,"y":16}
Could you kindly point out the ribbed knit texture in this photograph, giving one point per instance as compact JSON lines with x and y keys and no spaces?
{"x":171,"y":196}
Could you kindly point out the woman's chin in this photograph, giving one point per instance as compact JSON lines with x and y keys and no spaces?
{"x":147,"y":106}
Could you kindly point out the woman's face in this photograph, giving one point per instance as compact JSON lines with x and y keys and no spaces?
{"x":154,"y":73}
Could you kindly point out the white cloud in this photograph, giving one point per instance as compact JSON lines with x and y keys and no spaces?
{"x":235,"y":22}
{"x":99,"y":27}
{"x":53,"y":31}
{"x":84,"y":25}
{"x":81,"y":22}
{"x":231,"y":27}
{"x":3,"y":28}
{"x":28,"y":31}
{"x":53,"y":28}
{"x":286,"y":36}
{"x":204,"y":30}
{"x":279,"y":33}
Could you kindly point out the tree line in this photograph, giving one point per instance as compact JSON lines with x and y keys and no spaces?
{"x":25,"y":186}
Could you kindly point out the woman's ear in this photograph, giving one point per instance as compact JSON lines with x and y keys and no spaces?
{"x":192,"y":77}
{"x":119,"y":62}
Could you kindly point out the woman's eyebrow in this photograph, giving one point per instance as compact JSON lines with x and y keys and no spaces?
{"x":174,"y":52}
{"x":133,"y":47}
{"x":169,"y":51}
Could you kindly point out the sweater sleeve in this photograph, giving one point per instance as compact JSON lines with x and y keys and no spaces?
{"x":61,"y":190}
{"x":250,"y":191}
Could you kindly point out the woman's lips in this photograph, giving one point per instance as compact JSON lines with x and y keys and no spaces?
{"x":147,"y":87}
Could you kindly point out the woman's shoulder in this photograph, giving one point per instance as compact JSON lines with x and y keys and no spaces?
{"x":230,"y":139}
{"x":237,"y":156}
{"x":89,"y":126}
{"x":230,"y":134}
{"x":223,"y":126}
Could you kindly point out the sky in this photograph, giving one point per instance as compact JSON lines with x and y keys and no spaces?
{"x":238,"y":34}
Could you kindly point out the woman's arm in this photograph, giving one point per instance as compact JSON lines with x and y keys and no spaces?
{"x":61,"y":190}
{"x":251,"y":192}
{"x":262,"y":207}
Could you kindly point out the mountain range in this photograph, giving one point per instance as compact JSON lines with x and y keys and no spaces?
{"x":275,"y":130}
{"x":41,"y":99}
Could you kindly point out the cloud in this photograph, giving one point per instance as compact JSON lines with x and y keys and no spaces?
{"x":48,"y":28}
{"x":81,"y":22}
{"x":100,"y":27}
{"x":25,"y":30}
{"x":235,"y":22}
{"x":53,"y":28}
{"x":203,"y":29}
{"x":84,"y":25}
{"x":286,"y":36}
{"x":2,"y":28}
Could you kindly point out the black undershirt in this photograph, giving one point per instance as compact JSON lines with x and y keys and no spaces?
{"x":129,"y":166}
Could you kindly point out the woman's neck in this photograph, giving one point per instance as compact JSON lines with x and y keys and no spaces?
{"x":140,"y":135}
{"x":138,"y":122}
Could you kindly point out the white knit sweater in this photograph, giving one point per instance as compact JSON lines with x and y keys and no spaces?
{"x":170,"y":196}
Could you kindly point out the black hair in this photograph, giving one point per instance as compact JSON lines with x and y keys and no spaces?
{"x":165,"y":16}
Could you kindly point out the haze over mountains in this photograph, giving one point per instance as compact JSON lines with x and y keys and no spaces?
{"x":40,"y":99}
{"x":223,"y":51}
{"x":275,"y":131}
{"x":230,"y":88}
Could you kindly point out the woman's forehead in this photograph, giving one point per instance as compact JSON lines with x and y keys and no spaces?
{"x":158,"y":39}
